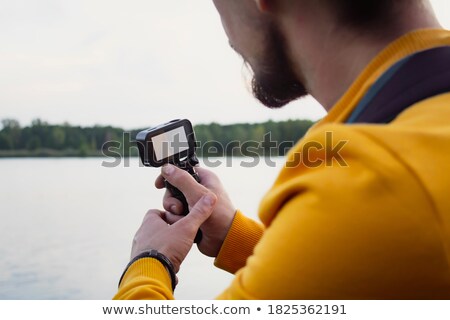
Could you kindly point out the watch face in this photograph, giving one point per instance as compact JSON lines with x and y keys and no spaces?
{"x":167,"y":143}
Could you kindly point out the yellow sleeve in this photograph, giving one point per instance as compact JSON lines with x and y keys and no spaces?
{"x":241,"y":239}
{"x":146,"y":279}
{"x":329,"y":246}
{"x":366,"y":230}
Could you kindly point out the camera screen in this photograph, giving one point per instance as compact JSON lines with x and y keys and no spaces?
{"x":170,"y":143}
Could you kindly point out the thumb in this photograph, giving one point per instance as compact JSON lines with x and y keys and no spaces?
{"x":199,"y":213}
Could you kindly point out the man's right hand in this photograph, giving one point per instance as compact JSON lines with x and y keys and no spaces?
{"x":214,"y":229}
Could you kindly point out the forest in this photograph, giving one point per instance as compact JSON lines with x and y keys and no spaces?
{"x":41,"y":139}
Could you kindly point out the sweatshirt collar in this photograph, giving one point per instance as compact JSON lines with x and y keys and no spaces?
{"x":401,"y":48}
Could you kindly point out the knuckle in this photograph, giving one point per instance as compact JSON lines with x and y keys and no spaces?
{"x":204,"y":193}
{"x":209,"y":193}
{"x":178,"y":173}
{"x":151,"y":215}
{"x":167,"y":206}
{"x":148,"y":216}
{"x":213,"y":196}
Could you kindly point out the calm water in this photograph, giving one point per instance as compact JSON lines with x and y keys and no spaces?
{"x":67,"y":224}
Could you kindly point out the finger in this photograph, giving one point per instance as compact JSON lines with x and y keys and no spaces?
{"x":205,"y":174}
{"x":159,"y":182}
{"x":153,"y":215}
{"x":156,"y":215}
{"x":197,"y":216}
{"x":182,"y":180}
{"x":172,"y":204}
{"x":208,"y":178}
{"x":172,"y":218}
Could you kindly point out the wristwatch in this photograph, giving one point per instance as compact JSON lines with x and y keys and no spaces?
{"x":158,"y":256}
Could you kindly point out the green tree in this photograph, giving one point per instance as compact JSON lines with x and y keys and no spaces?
{"x":11,"y":128}
{"x":67,"y":139}
{"x":58,"y":137}
{"x":34,"y":143}
{"x":5,"y":142}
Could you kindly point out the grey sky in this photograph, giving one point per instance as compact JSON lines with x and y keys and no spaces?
{"x":128,"y":63}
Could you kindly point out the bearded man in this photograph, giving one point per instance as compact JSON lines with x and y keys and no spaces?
{"x":373,"y":223}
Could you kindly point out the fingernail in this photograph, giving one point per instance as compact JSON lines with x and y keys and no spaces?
{"x":209,"y":200}
{"x":168,"y":169}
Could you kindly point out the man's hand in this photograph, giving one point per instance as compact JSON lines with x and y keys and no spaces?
{"x":175,"y":240}
{"x":217,"y":225}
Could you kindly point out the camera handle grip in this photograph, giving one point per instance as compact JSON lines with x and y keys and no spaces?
{"x":177,"y":194}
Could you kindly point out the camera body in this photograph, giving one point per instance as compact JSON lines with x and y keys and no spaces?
{"x":171,"y":143}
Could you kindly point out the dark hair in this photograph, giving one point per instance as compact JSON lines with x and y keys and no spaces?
{"x":365,"y":14}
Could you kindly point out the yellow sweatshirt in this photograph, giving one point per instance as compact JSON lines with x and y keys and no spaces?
{"x":376,"y":226}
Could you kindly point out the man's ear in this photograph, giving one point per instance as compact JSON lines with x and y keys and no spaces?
{"x":264,"y":5}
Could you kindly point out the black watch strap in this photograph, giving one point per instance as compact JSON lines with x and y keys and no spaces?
{"x":158,"y":256}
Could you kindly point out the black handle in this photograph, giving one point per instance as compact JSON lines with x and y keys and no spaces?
{"x":177,"y":194}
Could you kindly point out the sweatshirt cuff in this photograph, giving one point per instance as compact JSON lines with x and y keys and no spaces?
{"x":239,"y":243}
{"x":147,"y":268}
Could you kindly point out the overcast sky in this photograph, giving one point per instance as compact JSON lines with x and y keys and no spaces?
{"x":131,"y":64}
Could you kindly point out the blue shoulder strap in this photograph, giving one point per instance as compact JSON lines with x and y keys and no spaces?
{"x":411,"y":80}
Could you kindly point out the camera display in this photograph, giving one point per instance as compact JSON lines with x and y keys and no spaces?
{"x":167,"y":143}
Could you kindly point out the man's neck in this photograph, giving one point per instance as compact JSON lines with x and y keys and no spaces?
{"x":328,"y":60}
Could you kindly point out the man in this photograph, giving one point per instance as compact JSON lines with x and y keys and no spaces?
{"x":374,"y":226}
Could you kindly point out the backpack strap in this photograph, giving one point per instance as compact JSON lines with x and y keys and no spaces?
{"x":411,"y":80}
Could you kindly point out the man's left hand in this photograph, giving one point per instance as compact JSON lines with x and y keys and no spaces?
{"x":174,"y":241}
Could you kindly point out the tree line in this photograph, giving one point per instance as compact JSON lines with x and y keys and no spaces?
{"x":41,"y":139}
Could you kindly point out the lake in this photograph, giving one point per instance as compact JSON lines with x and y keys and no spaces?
{"x":67,"y":225}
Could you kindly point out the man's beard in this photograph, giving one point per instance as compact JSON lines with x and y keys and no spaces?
{"x":274,"y":81}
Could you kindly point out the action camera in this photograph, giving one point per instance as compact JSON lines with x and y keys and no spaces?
{"x":171,"y":143}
